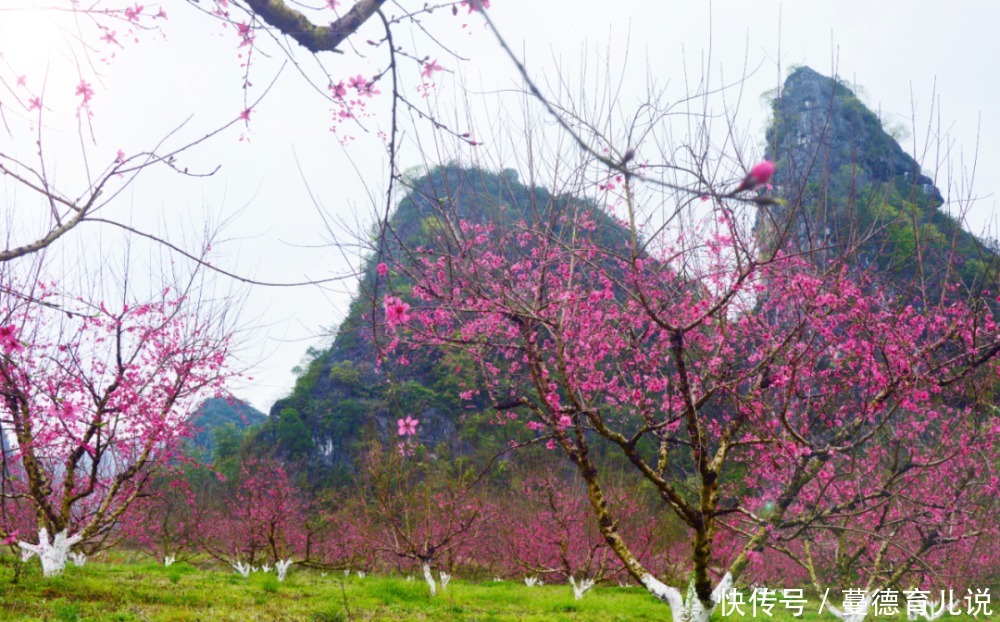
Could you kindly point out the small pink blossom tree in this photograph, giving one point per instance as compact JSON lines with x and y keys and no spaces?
{"x":418,"y":509}
{"x":547,"y":530}
{"x":259,"y":520}
{"x":94,"y":403}
{"x":166,"y":521}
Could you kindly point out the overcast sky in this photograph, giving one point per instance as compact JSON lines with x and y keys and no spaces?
{"x":903,"y":53}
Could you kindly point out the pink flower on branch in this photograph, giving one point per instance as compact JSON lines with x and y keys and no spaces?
{"x":476,"y":5}
{"x":396,"y":311}
{"x":339,"y":91}
{"x":363,"y":86}
{"x":429,"y":68}
{"x":758,"y":175}
{"x":382,"y":269}
{"x":85,"y":91}
{"x":408,"y":426}
{"x":132,"y":13}
{"x":245,"y":31}
{"x":8,"y":339}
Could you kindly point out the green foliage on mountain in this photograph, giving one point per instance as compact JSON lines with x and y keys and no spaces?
{"x":345,"y":396}
{"x":217,"y":416}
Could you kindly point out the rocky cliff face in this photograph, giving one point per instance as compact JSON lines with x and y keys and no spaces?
{"x":847,"y":183}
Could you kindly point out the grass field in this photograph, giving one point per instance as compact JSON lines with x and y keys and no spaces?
{"x":133,"y":591}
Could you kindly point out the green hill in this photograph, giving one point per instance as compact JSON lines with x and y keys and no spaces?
{"x":216,"y":414}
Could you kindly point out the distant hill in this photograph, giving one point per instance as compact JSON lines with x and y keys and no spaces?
{"x":214,"y":414}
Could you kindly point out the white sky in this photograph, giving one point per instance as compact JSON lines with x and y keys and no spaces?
{"x":896,"y":50}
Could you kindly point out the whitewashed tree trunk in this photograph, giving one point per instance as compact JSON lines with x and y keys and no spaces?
{"x":242,"y":569}
{"x":169,"y":560}
{"x":429,"y":577}
{"x":53,"y":554}
{"x":78,"y":559}
{"x":581,"y":588}
{"x":853,"y":615}
{"x":690,"y":609}
{"x":445,"y":578}
{"x":929,"y":611}
{"x":281,"y":567}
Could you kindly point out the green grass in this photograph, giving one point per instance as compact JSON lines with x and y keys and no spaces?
{"x":130,"y":591}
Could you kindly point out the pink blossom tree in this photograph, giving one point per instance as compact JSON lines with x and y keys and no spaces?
{"x":260,"y":520}
{"x":733,"y":378}
{"x":911,"y":513}
{"x":547,"y":530}
{"x":94,"y":403}
{"x":417,"y":509}
{"x":166,"y":521}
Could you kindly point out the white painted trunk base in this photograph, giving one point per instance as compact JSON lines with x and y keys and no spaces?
{"x":429,"y":577}
{"x":690,"y":609}
{"x":52,"y":553}
{"x":281,"y":567}
{"x":581,"y":588}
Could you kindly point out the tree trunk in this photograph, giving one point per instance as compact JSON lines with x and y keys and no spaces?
{"x":429,"y":577}
{"x":690,"y":609}
{"x":53,"y":554}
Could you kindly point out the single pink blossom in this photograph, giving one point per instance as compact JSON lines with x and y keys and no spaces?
{"x":120,"y":158}
{"x":338,"y":90}
{"x":408,"y":426}
{"x":395,"y":311}
{"x":430,"y":67}
{"x":759,"y":174}
{"x":382,"y":269}
{"x":132,"y":14}
{"x":476,"y":5}
{"x":8,"y":339}
{"x":245,"y":115}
